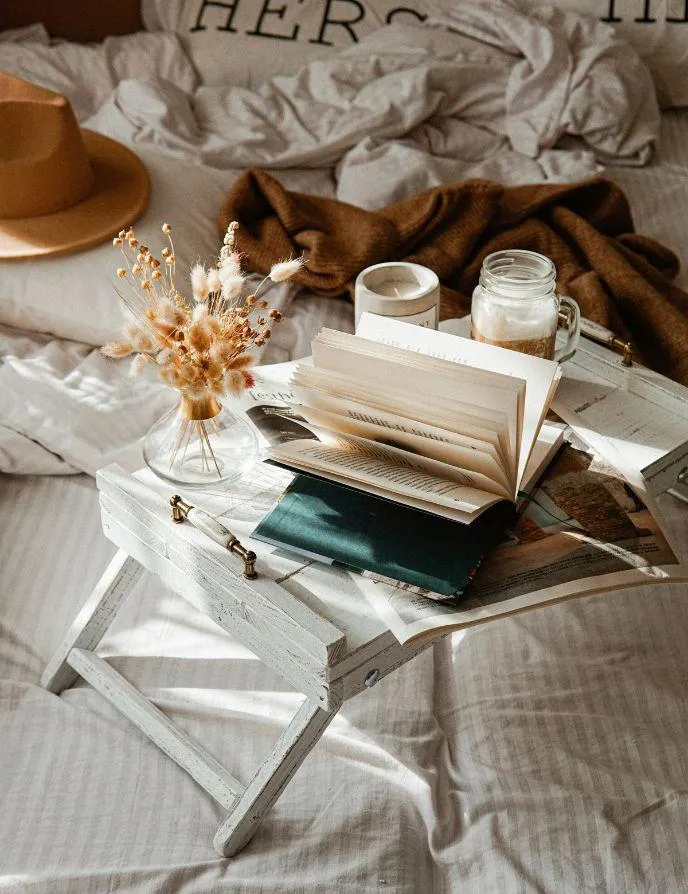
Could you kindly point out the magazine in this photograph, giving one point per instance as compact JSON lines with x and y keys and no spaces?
{"x":583,"y":530}
{"x":435,"y":422}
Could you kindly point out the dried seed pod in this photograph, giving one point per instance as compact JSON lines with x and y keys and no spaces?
{"x":117,"y":349}
{"x":199,"y":336}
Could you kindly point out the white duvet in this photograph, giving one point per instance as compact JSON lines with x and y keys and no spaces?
{"x":486,"y":92}
{"x":543,"y":753}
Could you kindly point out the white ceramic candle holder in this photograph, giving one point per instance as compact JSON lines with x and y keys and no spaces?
{"x":406,"y":292}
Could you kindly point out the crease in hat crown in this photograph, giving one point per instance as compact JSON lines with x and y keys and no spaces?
{"x":44,"y":165}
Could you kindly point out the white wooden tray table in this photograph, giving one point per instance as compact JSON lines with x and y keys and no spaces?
{"x":308,"y":622}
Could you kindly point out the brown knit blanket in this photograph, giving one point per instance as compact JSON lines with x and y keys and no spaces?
{"x":619,"y":278}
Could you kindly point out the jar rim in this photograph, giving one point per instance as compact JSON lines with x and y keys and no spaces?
{"x":518,"y":271}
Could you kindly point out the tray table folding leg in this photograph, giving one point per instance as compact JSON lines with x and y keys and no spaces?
{"x":247,"y":805}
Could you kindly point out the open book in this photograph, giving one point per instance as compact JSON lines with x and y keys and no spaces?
{"x":430,"y":420}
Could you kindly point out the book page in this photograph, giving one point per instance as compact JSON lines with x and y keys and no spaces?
{"x":347,"y":358}
{"x":541,"y":376}
{"x":393,"y":421}
{"x":468,"y":373}
{"x":392,"y":476}
{"x":479,"y":467}
{"x":450,"y":415}
{"x":549,"y":441}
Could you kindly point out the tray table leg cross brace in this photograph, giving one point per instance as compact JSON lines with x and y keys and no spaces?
{"x":303,"y":645}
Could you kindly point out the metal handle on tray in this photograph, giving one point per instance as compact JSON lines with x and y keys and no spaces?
{"x":214,"y":529}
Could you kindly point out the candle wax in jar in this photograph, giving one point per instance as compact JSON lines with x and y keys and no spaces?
{"x":396,"y":288}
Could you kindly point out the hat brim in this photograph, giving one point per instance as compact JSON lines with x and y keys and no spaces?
{"x":119,"y":196}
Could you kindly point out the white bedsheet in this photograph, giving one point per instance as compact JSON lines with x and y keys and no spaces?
{"x":411,"y":107}
{"x":542,"y":753}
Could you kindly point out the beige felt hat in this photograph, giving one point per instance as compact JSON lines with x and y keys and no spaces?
{"x":61,"y":188}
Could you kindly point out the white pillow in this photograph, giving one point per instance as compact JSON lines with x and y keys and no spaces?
{"x":73,"y":296}
{"x":244,"y":43}
{"x":87,"y":73}
{"x":657,"y":29}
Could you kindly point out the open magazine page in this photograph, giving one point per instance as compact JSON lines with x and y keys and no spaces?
{"x":267,"y":406}
{"x":582,"y":531}
{"x":640,"y":414}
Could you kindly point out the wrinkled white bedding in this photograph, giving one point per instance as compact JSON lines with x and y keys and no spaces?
{"x":410,"y":107}
{"x":543,"y":753}
{"x":500,"y":95}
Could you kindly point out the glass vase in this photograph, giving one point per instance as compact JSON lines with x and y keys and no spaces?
{"x":200,"y":443}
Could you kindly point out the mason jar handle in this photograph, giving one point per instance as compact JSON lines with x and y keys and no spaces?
{"x":569,"y":308}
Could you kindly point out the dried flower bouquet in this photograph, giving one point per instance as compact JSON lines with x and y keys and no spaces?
{"x":201,"y":347}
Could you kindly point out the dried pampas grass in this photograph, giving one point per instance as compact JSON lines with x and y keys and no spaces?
{"x":200,"y":347}
{"x":284,"y":270}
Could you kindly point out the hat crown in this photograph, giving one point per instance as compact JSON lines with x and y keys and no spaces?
{"x":44,"y":166}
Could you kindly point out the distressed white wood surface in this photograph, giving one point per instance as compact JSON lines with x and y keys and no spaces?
{"x":290,"y":616}
{"x":222,"y":596}
{"x":276,"y":652}
{"x":92,"y":622}
{"x":383,"y":663}
{"x":329,"y":591}
{"x":194,"y":759}
{"x":286,"y":757}
{"x":312,"y":625}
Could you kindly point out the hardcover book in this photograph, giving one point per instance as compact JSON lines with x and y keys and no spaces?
{"x":333,"y":523}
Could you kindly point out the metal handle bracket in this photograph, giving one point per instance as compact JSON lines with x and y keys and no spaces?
{"x":216,"y":531}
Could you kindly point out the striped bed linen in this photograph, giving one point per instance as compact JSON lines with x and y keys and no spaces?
{"x":545,"y":752}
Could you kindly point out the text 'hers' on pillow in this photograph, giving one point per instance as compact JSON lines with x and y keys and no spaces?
{"x":329,"y":22}
{"x":246,"y":42}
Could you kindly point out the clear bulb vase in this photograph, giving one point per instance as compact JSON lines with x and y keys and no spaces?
{"x":200,"y":443}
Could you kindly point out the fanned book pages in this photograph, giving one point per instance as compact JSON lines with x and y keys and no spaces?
{"x":434,"y":421}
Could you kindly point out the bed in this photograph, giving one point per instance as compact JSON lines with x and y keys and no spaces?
{"x":545,"y":752}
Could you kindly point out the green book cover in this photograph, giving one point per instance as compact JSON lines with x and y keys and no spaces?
{"x":324,"y":520}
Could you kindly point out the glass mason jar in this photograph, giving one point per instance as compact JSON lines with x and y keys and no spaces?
{"x":515,"y":306}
